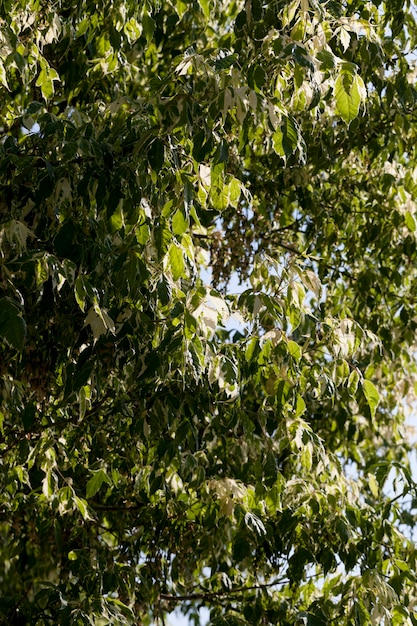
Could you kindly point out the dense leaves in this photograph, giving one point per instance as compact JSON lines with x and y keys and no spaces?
{"x":166,"y":442}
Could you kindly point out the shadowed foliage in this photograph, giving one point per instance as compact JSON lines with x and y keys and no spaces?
{"x":166,"y":442}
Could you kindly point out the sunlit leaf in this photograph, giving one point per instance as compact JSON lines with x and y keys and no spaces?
{"x":371,"y":395}
{"x":176,"y":261}
{"x":350,"y":93}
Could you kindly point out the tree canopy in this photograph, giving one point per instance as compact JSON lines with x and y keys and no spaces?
{"x":166,"y":442}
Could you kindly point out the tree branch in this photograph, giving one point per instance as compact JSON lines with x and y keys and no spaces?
{"x":212,"y":595}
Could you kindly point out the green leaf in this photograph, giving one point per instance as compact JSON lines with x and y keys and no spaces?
{"x":234,"y":191}
{"x":143,"y":234}
{"x":402,"y":565}
{"x":294,"y":349}
{"x":225,"y":62}
{"x":148,"y":27}
{"x":12,"y":324}
{"x":353,"y":382}
{"x":117,"y":219}
{"x":162,"y":236}
{"x":132,"y":30}
{"x":46,"y":78}
{"x":80,"y":292}
{"x":401,"y":615}
{"x":341,"y":371}
{"x":300,"y":406}
{"x":179,"y":223}
{"x":95,"y":482}
{"x":84,"y":398}
{"x":122,"y":608}
{"x":176,"y":261}
{"x":224,"y":194}
{"x":252,"y":349}
{"x":410,"y":222}
{"x":285,"y":138}
{"x":350,"y":92}
{"x":371,"y":395}
{"x":327,"y":60}
{"x":205,"y":5}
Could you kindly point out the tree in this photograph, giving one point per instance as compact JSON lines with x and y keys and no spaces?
{"x":153,"y":455}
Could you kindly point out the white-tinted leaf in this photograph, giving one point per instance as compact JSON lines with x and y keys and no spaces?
{"x":3,"y":79}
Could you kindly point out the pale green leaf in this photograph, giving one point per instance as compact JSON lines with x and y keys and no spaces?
{"x":132,"y":30}
{"x":353,"y":382}
{"x":99,"y":321}
{"x":289,"y":11}
{"x":234,"y":190}
{"x":373,"y":484}
{"x":255,"y":523}
{"x":306,"y":456}
{"x":311,"y":281}
{"x":82,"y":506}
{"x":46,"y":84}
{"x":345,"y":338}
{"x":3,"y":78}
{"x":344,"y":39}
{"x":46,"y":78}
{"x":47,"y":484}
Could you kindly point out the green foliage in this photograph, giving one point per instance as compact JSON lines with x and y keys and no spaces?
{"x":151,"y":458}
